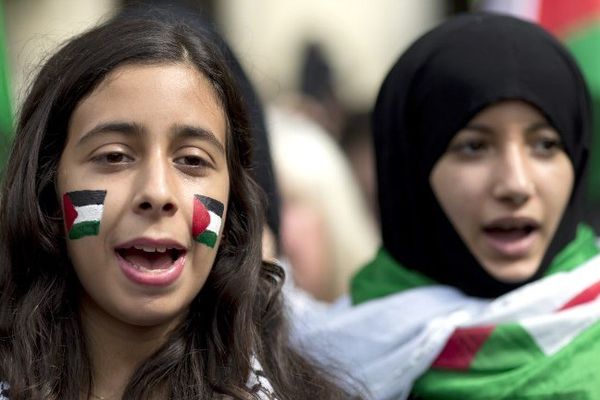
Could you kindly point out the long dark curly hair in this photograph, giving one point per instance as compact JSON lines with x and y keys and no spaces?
{"x":238,"y":312}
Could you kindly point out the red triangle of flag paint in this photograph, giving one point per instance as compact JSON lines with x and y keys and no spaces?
{"x":69,"y":212}
{"x":201,"y":218}
{"x":461,"y":348}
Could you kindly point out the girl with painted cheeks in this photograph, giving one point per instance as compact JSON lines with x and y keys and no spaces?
{"x":153,"y":139}
{"x":487,"y":283}
{"x":131,"y":232}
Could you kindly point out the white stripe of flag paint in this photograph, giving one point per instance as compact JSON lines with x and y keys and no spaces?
{"x":82,"y":212}
{"x":207,"y":219}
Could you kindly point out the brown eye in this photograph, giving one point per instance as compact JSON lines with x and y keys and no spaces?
{"x":193,"y":162}
{"x":469,"y":148}
{"x":114,"y":158}
{"x":546,"y":147}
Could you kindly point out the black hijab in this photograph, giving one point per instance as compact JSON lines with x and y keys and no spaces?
{"x":434,"y":89}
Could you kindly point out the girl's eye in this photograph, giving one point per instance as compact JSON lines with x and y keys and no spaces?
{"x":114,"y":157}
{"x":546,"y":147}
{"x":469,"y":148}
{"x":193,"y":162}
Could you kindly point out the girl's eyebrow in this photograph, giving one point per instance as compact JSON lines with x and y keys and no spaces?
{"x":128,"y":128}
{"x":133,"y":129}
{"x":536,"y":126}
{"x":478,"y":127}
{"x":189,"y":131}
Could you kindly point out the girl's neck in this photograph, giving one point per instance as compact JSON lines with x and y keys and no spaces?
{"x":116,"y":349}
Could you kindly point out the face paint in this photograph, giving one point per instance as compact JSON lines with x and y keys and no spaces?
{"x":82,"y":212}
{"x":206,"y":223}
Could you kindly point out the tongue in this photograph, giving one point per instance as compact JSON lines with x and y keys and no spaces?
{"x":507,"y":234}
{"x":147,"y":260}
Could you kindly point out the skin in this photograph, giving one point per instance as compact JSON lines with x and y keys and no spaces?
{"x":507,"y":162}
{"x":151,"y":171}
{"x":305,"y":243}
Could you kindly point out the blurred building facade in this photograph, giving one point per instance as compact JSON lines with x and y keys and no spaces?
{"x":361,"y":39}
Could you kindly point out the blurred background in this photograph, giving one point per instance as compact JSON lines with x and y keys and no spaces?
{"x":316,"y":66}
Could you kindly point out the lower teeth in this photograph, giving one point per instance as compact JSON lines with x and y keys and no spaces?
{"x":152,"y":271}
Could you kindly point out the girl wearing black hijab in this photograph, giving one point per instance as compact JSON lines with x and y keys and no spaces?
{"x":486,"y":284}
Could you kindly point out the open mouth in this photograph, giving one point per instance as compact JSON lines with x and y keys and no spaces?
{"x":510,"y":233}
{"x":149,"y":258}
{"x":512,"y":236}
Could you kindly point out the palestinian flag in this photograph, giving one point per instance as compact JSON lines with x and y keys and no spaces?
{"x":577,"y":24}
{"x":540,"y":341}
{"x":543,"y":345}
{"x":206,"y":224}
{"x":82,"y":212}
{"x":466,"y":348}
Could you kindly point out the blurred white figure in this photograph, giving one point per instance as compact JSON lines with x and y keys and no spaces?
{"x":327,"y":231}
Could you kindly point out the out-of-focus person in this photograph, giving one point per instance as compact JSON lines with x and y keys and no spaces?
{"x":327,"y":230}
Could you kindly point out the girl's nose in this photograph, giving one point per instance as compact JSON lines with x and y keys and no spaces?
{"x":155,"y":193}
{"x":513,"y":180}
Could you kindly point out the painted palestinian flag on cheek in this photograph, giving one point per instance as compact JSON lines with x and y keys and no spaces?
{"x":82,"y":211}
{"x":206,"y":225}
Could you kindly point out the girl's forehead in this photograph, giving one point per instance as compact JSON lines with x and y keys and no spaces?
{"x":174,"y":75}
{"x":161,"y":95}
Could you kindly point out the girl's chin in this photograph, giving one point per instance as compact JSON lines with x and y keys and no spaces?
{"x":152,"y":318}
{"x":512,"y":271}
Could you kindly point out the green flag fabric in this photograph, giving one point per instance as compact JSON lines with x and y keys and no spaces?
{"x":540,"y":341}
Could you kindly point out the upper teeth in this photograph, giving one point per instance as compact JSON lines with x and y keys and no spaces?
{"x":150,"y":249}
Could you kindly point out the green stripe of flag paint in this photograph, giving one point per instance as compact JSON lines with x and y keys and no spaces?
{"x":86,"y":228}
{"x":208,"y":238}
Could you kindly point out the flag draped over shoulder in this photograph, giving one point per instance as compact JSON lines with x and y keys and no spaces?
{"x":539,"y":341}
{"x":577,"y":24}
{"x":406,"y":334}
